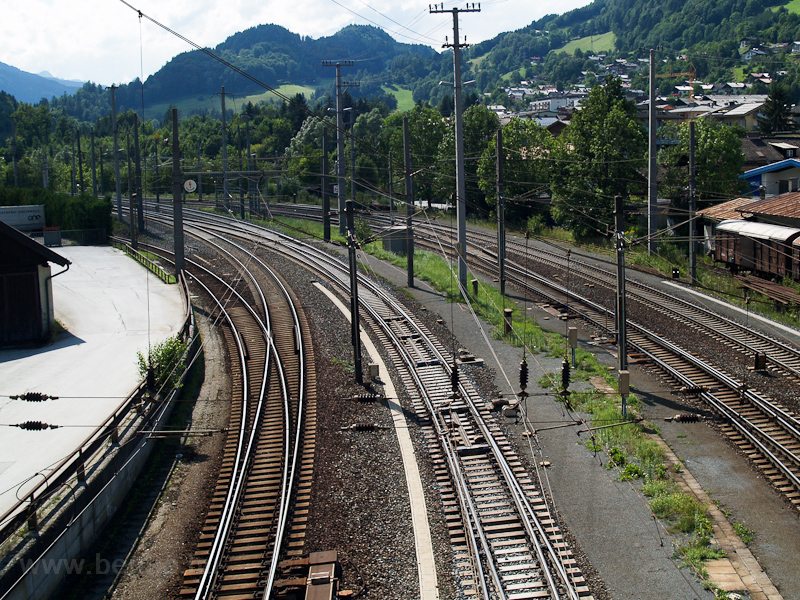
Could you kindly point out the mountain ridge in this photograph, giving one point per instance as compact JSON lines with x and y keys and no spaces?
{"x":30,"y":87}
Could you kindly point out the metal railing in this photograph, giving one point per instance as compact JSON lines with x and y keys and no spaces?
{"x":95,"y":447}
{"x":147,"y":263}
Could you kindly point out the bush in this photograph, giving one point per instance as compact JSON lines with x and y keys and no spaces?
{"x":62,"y":210}
{"x":536,"y":224}
{"x":167,"y":361}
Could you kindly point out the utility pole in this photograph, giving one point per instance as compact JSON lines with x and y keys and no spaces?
{"x":14,"y":154}
{"x":117,"y":181}
{"x":354,"y":317}
{"x":225,"y":195}
{"x":177,"y":205}
{"x":692,"y":210}
{"x":131,"y":193}
{"x":409,"y":203}
{"x":278,"y":184}
{"x":72,"y":181}
{"x":352,"y":154}
{"x":340,"y":134}
{"x":501,"y":213}
{"x":199,"y":175}
{"x":461,"y":205}
{"x":130,"y":171}
{"x":94,"y":167}
{"x":652,"y":172}
{"x":250,"y":166}
{"x":80,"y":162}
{"x":45,"y":176}
{"x":102,"y":189}
{"x":137,"y":155}
{"x":622,"y":317}
{"x":326,"y":199}
{"x":241,"y":167}
{"x":391,"y":191}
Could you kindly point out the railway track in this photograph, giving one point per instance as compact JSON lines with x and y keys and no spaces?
{"x":260,"y":500}
{"x":766,"y":432}
{"x":769,"y":435}
{"x":505,"y":540}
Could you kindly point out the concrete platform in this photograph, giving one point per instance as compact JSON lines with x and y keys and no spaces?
{"x":111,"y":307}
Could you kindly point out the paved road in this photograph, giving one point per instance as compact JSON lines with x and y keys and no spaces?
{"x":112,"y":308}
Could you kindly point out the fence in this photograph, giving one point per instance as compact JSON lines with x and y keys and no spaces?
{"x":144,"y":261}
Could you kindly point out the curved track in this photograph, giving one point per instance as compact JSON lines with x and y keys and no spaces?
{"x":768,"y":433}
{"x":506,"y":542}
{"x":248,"y":527}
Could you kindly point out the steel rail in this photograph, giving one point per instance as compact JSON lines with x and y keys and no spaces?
{"x":243,"y":455}
{"x":511,"y":481}
{"x":738,"y":422}
{"x":517,"y":494}
{"x":290,"y":465}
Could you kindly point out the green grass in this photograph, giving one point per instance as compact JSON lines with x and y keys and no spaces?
{"x":792,"y":7}
{"x":405,"y":98}
{"x":591,"y":44}
{"x":205,"y":102}
{"x":634,"y":453}
{"x":744,"y":532}
{"x":478,"y":61}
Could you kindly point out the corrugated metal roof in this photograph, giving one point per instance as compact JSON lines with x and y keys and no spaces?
{"x":782,"y":205}
{"x":726,"y":210}
{"x":763,"y":231}
{"x":744,"y":109}
{"x":782,"y":165}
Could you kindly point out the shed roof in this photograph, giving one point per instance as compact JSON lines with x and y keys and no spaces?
{"x":744,"y":109}
{"x":13,"y":236}
{"x":727,"y":210}
{"x":782,"y":205}
{"x":764,"y":231}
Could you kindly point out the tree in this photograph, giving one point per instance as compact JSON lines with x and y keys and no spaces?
{"x":718,"y":162}
{"x":600,"y":155}
{"x":480,"y":128}
{"x":527,"y":149}
{"x":446,"y":106}
{"x":426,"y":129}
{"x":304,"y":153}
{"x":775,"y":114}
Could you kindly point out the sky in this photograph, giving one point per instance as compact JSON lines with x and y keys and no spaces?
{"x":104,"y":41}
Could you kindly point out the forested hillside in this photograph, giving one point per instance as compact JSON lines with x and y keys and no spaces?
{"x":709,"y":35}
{"x":274,"y":56}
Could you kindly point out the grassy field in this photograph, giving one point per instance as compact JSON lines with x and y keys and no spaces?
{"x":185,"y":106}
{"x":598,"y":43}
{"x":476,"y":62}
{"x":792,"y":7}
{"x":405,"y":99}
